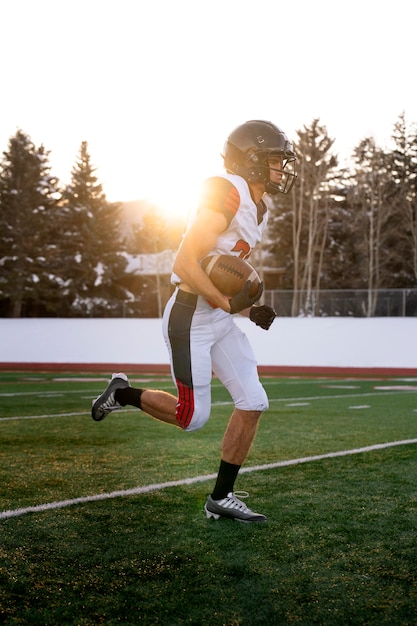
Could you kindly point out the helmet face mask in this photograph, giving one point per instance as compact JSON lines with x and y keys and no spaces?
{"x":257,"y":148}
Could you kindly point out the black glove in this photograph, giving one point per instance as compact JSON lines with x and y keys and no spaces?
{"x":262,"y":316}
{"x":242,"y":299}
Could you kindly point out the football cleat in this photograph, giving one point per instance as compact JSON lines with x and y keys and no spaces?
{"x":105,"y":403}
{"x":233,"y":508}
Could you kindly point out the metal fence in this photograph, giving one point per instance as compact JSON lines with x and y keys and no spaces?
{"x":344,"y":302}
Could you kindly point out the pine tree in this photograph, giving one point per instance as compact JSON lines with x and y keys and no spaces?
{"x":374,"y":222}
{"x":28,"y":201}
{"x":402,"y":188}
{"x":301,"y":221}
{"x":92,"y":244}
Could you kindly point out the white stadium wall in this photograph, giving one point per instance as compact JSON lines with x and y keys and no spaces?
{"x":292,"y":345}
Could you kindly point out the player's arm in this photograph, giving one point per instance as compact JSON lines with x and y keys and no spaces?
{"x":198,"y":241}
{"x":219,"y":203}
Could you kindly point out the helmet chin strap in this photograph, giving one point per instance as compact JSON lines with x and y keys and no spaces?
{"x":285,"y":183}
{"x":273,"y":189}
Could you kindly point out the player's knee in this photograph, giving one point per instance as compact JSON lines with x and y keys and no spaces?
{"x":257,"y":400}
{"x":193,"y":407}
{"x":265,"y":401}
{"x":191,"y":418}
{"x":261,"y":405}
{"x":198,"y":420}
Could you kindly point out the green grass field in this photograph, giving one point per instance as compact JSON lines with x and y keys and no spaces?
{"x":83,"y":544}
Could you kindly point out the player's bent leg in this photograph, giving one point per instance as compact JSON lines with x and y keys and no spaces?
{"x":189,"y":410}
{"x":179,"y":410}
{"x":160,"y":404}
{"x":194,"y":406}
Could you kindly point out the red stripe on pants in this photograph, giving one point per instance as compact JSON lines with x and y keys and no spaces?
{"x":185,"y":404}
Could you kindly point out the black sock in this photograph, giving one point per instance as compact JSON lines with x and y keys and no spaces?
{"x":225,"y":480}
{"x":129,"y":395}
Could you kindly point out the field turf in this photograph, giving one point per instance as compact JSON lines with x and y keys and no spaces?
{"x":103,"y":523}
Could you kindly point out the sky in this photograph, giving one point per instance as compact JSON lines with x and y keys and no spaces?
{"x":156,"y":86}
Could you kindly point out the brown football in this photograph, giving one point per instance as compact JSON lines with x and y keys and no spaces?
{"x":230,"y":273}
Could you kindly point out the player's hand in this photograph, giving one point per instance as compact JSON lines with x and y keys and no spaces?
{"x":242,"y":299}
{"x":262,"y":316}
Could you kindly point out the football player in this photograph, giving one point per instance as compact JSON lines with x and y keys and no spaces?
{"x":198,"y":325}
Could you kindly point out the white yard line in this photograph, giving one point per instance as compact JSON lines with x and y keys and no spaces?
{"x":227,"y":403}
{"x":75,"y":413}
{"x":196,"y":479}
{"x":19,"y":394}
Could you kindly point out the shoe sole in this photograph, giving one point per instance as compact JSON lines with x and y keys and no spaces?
{"x":217,"y":516}
{"x":99,"y":419}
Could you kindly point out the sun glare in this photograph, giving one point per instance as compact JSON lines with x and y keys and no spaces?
{"x":172,"y":187}
{"x":177,"y":196}
{"x":175,"y":201}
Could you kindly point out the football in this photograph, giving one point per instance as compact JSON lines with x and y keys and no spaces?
{"x":230,"y":274}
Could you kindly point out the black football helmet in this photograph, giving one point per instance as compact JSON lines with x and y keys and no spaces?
{"x":247,"y":151}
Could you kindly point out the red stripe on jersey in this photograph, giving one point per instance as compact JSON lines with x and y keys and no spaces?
{"x":232,"y":201}
{"x":185,"y":404}
{"x":219,"y":194}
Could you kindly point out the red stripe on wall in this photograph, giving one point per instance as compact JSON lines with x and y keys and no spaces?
{"x":163,"y":369}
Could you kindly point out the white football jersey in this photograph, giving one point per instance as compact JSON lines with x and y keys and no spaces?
{"x":230,"y":194}
{"x":246,"y":227}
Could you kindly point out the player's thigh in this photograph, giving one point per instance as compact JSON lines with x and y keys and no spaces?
{"x":189,"y":336}
{"x":235,"y":365}
{"x":201,"y":376}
